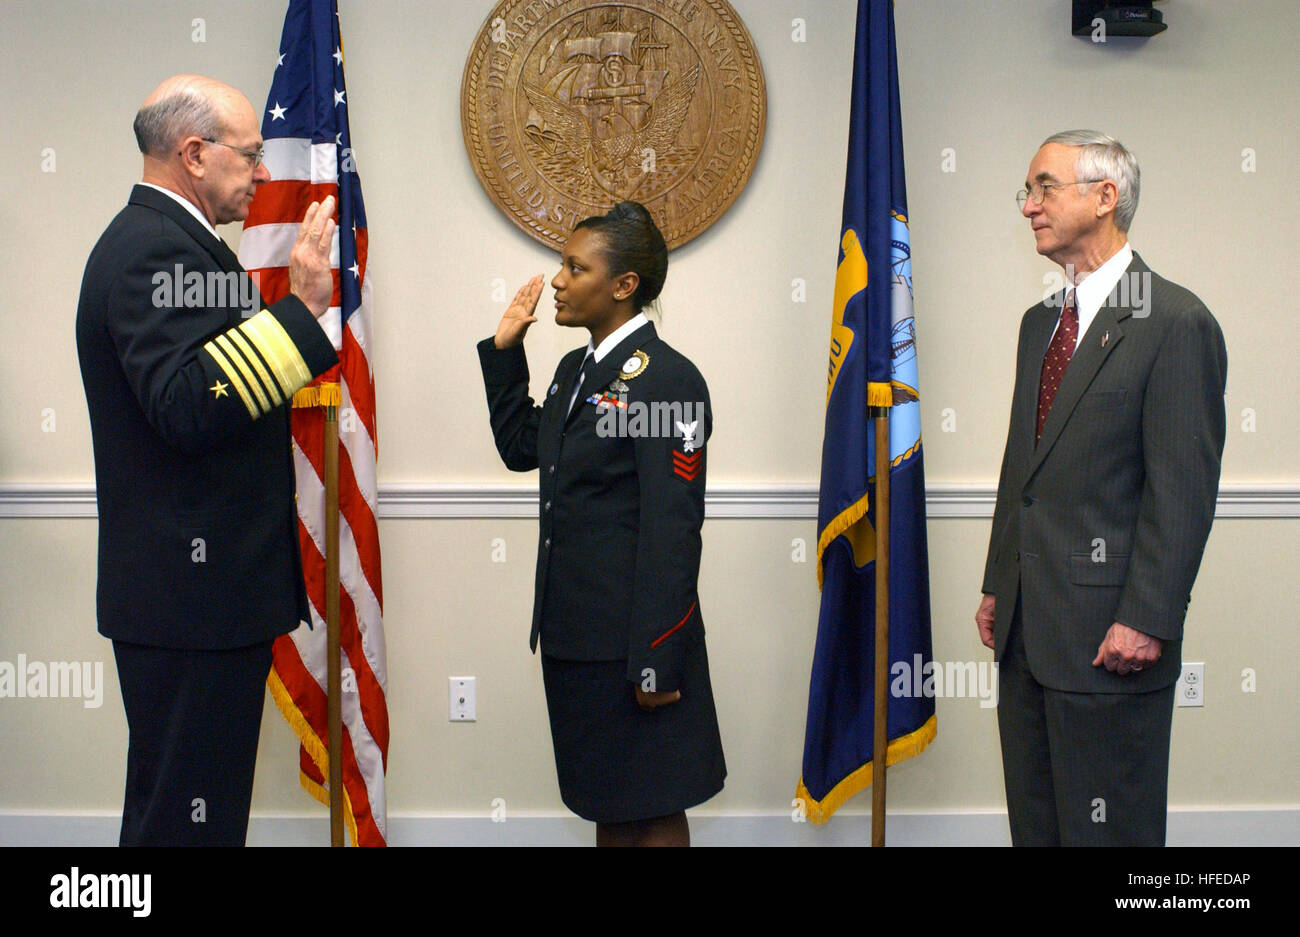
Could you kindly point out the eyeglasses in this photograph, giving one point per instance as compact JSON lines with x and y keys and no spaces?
{"x":253,"y":157}
{"x":1035,"y":192}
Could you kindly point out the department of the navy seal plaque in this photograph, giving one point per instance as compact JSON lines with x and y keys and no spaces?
{"x":570,"y":106}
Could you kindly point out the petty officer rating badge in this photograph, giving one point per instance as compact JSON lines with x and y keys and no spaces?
{"x":688,"y":435}
{"x":688,"y":463}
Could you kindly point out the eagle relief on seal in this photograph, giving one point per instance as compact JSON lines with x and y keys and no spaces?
{"x":570,"y":106}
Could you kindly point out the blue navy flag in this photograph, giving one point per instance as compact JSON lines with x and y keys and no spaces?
{"x":872,"y":363}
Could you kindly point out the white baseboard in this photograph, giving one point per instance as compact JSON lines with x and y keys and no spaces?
{"x":1273,"y":826}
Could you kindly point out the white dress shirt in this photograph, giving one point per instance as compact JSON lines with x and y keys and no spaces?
{"x":1091,"y":292}
{"x":609,"y":344}
{"x":187,"y":205}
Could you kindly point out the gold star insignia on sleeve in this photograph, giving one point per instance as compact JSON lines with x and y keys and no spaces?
{"x":219,"y":390}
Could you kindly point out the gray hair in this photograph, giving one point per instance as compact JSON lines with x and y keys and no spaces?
{"x":188,"y":111}
{"x":1104,"y":157}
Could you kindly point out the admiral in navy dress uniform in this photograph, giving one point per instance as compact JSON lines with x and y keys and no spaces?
{"x":188,"y":393}
{"x":620,"y":442}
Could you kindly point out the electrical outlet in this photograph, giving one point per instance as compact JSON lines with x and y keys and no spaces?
{"x":461,"y":703}
{"x":1190,"y":688}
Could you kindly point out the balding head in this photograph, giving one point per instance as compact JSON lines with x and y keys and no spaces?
{"x":182,"y":106}
{"x":200,"y":139}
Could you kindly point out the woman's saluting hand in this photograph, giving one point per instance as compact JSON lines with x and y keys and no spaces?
{"x":519,"y":314}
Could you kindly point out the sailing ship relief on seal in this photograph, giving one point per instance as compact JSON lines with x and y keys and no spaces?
{"x":571,"y":106}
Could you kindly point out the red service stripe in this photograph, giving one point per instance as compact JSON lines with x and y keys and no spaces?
{"x":685,"y":618}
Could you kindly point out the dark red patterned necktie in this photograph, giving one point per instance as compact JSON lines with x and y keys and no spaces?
{"x":1056,"y":360}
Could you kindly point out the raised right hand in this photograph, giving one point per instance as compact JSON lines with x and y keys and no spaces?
{"x":310,"y":278}
{"x":519,"y":314}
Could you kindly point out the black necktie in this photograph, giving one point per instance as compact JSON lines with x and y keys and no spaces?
{"x":577,"y":381}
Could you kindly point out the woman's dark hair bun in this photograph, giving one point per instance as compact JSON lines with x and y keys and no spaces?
{"x":632,"y":242}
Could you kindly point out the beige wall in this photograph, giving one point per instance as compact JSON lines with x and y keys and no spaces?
{"x":988,"y":79}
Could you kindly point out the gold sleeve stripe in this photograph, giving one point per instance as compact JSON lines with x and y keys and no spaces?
{"x":253,"y":383}
{"x":235,"y":380}
{"x":278,"y":350}
{"x":238,"y":338}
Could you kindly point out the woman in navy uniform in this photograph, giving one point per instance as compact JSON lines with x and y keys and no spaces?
{"x":620,"y":443}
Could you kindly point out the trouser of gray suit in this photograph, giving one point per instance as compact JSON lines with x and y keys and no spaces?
{"x":1081,"y":769}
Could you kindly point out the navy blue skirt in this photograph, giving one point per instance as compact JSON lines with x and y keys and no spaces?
{"x":617,"y":762}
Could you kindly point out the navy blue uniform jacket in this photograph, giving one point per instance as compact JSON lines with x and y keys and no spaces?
{"x":188,"y":399}
{"x":621,"y":502}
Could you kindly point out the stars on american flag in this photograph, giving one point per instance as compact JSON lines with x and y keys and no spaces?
{"x":277,"y":112}
{"x":338,"y":55}
{"x":338,"y":97}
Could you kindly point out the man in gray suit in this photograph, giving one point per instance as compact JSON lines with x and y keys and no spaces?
{"x":1105,"y":501}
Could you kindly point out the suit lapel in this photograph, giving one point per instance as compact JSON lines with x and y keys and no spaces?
{"x":1089,"y":355}
{"x":553,"y":417}
{"x":228,"y":259}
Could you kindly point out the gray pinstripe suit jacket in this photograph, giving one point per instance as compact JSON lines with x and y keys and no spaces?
{"x":1107,"y":517}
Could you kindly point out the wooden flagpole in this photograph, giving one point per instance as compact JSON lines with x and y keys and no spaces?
{"x":880,"y":741}
{"x":334,"y":677}
{"x":328,"y":396}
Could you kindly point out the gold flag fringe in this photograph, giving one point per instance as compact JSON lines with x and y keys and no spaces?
{"x":319,"y":395}
{"x":900,"y":749}
{"x":314,"y":746}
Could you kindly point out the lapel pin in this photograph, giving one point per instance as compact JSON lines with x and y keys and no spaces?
{"x":1104,"y":339}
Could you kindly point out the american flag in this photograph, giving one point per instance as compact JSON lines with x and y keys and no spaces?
{"x":309,"y":156}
